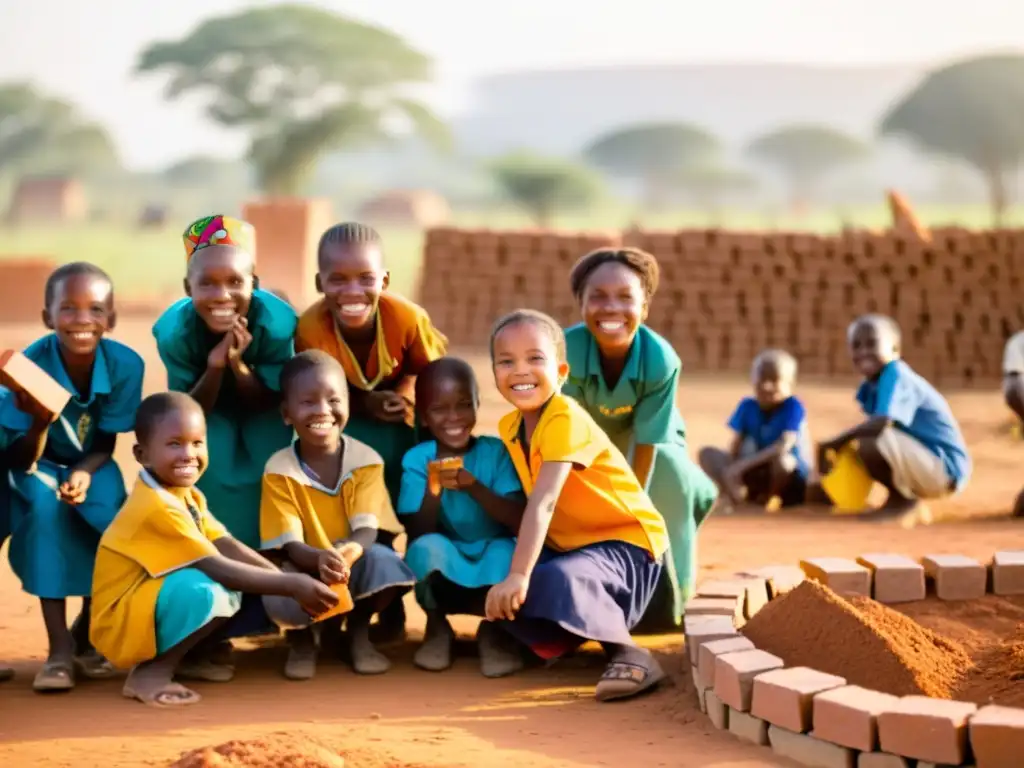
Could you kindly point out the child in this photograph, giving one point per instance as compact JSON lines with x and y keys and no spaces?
{"x":168,"y":574}
{"x":1013,"y":375}
{"x":383,"y":342}
{"x":225,"y":344}
{"x":770,"y":454}
{"x":626,"y":376}
{"x":590,"y":548}
{"x":6,"y":673}
{"x":460,"y":539}
{"x":65,"y":485}
{"x":910,"y":442}
{"x":323,"y":500}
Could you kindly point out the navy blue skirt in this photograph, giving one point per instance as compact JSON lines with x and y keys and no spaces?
{"x":598,"y":592}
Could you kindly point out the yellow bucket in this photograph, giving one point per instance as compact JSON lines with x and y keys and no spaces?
{"x":848,"y":484}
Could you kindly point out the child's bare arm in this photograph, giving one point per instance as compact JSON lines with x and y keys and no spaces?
{"x":736,"y":445}
{"x":870,"y":428}
{"x":253,"y":393}
{"x":643,"y":462}
{"x":425,"y":519}
{"x":505,"y":510}
{"x":780,"y":447}
{"x":103,"y":444}
{"x":28,"y":449}
{"x":233,"y":549}
{"x":207,"y":388}
{"x":245,"y":577}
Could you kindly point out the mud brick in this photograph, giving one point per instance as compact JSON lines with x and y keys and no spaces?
{"x":735,"y":673}
{"x":704,"y":629}
{"x":848,"y":716}
{"x":18,"y":371}
{"x":708,"y":652}
{"x":750,"y":590}
{"x":779,"y":578}
{"x":997,"y":737}
{"x":715,"y":606}
{"x":785,"y":697}
{"x":810,"y":751}
{"x":717,"y":712}
{"x":926,"y":729}
{"x":956,"y":577}
{"x":748,"y":728}
{"x":896,"y":578}
{"x":883,"y":760}
{"x":1008,"y":573}
{"x":845,"y":577}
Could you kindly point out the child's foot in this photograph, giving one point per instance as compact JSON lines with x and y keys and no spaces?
{"x":93,"y":666}
{"x":206,"y":670}
{"x":56,"y":675}
{"x":435,"y":654}
{"x":632,"y":671}
{"x":908,"y":512}
{"x":152,"y":686}
{"x":390,"y":626}
{"x":366,"y":659}
{"x":302,"y":655}
{"x":500,"y":655}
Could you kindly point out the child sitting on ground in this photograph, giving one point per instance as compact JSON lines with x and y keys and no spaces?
{"x":65,"y":484}
{"x":1013,"y":376}
{"x":460,"y":533}
{"x":168,"y":575}
{"x":910,"y":442}
{"x":591,"y":547}
{"x":770,"y":456}
{"x":323,"y":500}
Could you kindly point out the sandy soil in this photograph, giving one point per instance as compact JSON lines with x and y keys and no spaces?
{"x":544,"y":717}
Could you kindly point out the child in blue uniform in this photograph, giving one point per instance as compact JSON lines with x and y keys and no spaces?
{"x":225,"y":344}
{"x":770,"y":456}
{"x":910,"y":441}
{"x":66,"y":487}
{"x":460,"y":539}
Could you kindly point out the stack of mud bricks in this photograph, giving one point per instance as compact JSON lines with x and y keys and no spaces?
{"x":727,"y":295}
{"x":817,"y":719}
{"x":22,"y":281}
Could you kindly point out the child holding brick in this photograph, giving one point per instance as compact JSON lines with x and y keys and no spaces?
{"x":383,"y":342}
{"x":770,"y":455}
{"x":910,"y":442}
{"x":626,"y":376}
{"x":65,"y":485}
{"x":224,"y":344}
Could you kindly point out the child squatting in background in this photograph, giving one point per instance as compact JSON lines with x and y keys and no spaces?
{"x":65,"y":485}
{"x":170,"y":580}
{"x":910,"y":442}
{"x":770,"y":455}
{"x":460,"y":535}
{"x":323,"y":501}
{"x":590,"y":548}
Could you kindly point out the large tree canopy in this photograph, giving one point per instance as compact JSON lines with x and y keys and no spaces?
{"x":300,"y":81}
{"x":972,"y":110}
{"x":543,"y":185}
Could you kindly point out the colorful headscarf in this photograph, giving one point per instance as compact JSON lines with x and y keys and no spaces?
{"x":219,"y":230}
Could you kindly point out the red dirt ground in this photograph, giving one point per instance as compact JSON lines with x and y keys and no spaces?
{"x":545,"y":718}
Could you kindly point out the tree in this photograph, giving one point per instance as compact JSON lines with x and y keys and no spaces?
{"x":653,"y":154}
{"x":708,"y":184}
{"x":42,"y":134}
{"x":543,"y":185}
{"x":204,"y":171}
{"x":971,"y":110}
{"x":300,"y":81}
{"x":805,"y":154}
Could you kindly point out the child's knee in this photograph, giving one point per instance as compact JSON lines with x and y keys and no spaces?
{"x":1013,"y":393}
{"x":712,"y":460}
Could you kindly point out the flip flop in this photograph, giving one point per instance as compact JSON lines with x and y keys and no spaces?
{"x":93,"y":666}
{"x":169,"y":696}
{"x":55,"y":676}
{"x":623,"y":679}
{"x":301,"y":663}
{"x":206,"y":671}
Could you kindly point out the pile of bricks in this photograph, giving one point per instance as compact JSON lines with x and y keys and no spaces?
{"x":727,"y":295}
{"x":816,"y":719}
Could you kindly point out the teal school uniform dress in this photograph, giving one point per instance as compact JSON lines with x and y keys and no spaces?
{"x":240,"y":441}
{"x":641,"y":410}
{"x":471,"y":550}
{"x":53,"y":546}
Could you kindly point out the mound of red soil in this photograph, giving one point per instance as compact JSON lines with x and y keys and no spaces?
{"x":272,"y":752}
{"x":998,"y":676}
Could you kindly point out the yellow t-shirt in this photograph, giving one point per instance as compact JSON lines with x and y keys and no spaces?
{"x":152,"y":536}
{"x":602,"y":500}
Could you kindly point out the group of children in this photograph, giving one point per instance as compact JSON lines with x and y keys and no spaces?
{"x":289,"y":452}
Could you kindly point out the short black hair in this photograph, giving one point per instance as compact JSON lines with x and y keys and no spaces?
{"x":883,"y":322}
{"x":155,"y":408}
{"x":307,"y":361}
{"x":640,"y":262}
{"x":346,"y":233}
{"x":446,"y":367}
{"x":783,"y":361}
{"x":545,"y":322}
{"x":74,"y":269}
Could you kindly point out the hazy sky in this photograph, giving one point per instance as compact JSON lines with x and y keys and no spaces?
{"x":84,"y":50}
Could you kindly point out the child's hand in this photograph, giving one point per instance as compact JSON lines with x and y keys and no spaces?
{"x":387,"y":406}
{"x":313,"y":595}
{"x":350,"y":551}
{"x":218,"y":357}
{"x":332,"y":567}
{"x":241,"y":341}
{"x":505,"y":599}
{"x":732,"y":484}
{"x":825,"y":452}
{"x":30,"y":406}
{"x":73,"y":490}
{"x":456,"y":479}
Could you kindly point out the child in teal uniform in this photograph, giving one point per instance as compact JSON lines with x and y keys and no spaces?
{"x":460,"y":540}
{"x":225,"y":344}
{"x":65,"y":485}
{"x":625,"y":375}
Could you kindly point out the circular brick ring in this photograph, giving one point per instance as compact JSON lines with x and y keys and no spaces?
{"x":816,"y":719}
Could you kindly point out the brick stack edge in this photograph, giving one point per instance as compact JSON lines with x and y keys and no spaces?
{"x":726,"y":295}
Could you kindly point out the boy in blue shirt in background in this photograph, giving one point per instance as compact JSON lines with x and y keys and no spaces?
{"x":910,"y":441}
{"x":770,"y":455}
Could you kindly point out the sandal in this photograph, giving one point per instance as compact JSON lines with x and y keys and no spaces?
{"x":623,"y":679}
{"x":54,"y":676}
{"x":206,"y":671}
{"x":167,"y":697}
{"x":93,"y":666}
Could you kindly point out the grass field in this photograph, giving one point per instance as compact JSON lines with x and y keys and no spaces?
{"x":150,"y":262}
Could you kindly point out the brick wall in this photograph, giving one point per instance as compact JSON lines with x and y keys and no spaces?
{"x":725,"y":295}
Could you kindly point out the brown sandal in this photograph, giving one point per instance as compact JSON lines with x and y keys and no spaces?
{"x":169,"y":696}
{"x":54,"y":677}
{"x":623,"y":679}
